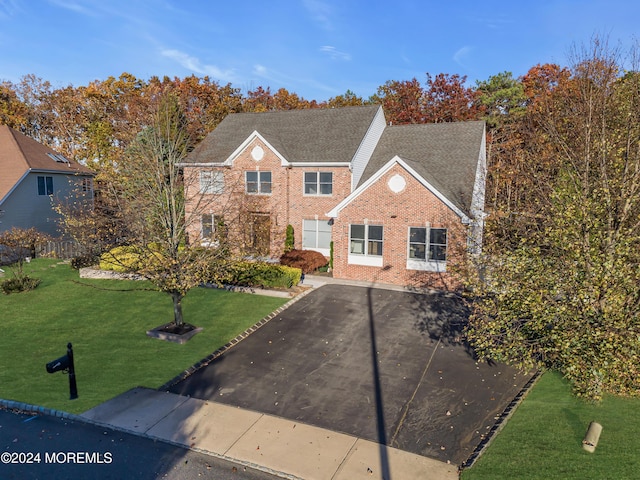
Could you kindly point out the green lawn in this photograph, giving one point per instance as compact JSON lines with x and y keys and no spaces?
{"x":106,"y":321}
{"x":543,"y":439}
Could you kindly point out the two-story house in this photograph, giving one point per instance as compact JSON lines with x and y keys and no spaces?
{"x":397,"y":203}
{"x":32,"y":178}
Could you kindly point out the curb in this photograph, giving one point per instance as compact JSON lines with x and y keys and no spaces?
{"x":500,"y":422}
{"x":27,"y":408}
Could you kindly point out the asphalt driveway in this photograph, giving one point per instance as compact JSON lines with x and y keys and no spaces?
{"x":386,"y":366}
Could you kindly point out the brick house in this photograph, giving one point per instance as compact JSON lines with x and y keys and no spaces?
{"x":399,"y":203}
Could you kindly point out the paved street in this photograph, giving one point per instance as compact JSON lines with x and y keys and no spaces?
{"x":62,"y":449}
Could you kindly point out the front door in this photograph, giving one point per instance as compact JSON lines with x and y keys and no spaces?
{"x":259,"y":234}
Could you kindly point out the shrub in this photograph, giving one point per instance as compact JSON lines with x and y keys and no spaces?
{"x":293,"y":274}
{"x":331,"y":255}
{"x":122,"y":259}
{"x":289,"y":239}
{"x":306,"y":260}
{"x":82,"y":261}
{"x":21,"y":284}
{"x":260,"y":274}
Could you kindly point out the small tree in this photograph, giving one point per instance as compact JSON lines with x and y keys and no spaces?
{"x":289,"y":242}
{"x":153,"y":207}
{"x":15,"y":245}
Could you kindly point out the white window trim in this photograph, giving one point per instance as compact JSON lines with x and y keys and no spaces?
{"x":365,"y":258}
{"x":317,"y":183}
{"x":426,"y":265}
{"x":207,"y":241}
{"x":324,"y":251}
{"x":259,"y":192}
{"x":215,"y":183}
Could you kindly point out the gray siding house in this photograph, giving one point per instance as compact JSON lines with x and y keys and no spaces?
{"x":32,"y":178}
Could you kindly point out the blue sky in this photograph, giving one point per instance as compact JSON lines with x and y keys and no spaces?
{"x":315,"y":48}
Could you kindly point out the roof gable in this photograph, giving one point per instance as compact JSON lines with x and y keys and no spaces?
{"x":20,"y":154}
{"x":299,"y":136}
{"x":380,"y":173}
{"x":255,"y":135}
{"x":446,"y":156}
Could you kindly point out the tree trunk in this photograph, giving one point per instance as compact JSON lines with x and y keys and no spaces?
{"x":177,"y":308}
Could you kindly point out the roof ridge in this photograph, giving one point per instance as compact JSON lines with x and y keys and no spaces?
{"x":303,"y":110}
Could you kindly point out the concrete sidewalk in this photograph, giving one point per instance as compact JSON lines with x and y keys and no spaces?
{"x":275,"y":445}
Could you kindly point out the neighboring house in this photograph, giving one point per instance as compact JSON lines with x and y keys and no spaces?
{"x":399,"y":203}
{"x":32,"y":178}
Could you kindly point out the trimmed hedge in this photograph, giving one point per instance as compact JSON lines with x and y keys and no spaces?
{"x":306,"y":260}
{"x":261,"y":274}
{"x":126,"y":258}
{"x":242,"y":273}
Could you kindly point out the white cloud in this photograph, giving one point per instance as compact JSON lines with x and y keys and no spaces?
{"x":335,"y":54}
{"x":320,"y":12}
{"x":260,"y":70}
{"x":74,"y":7}
{"x":195,"y":65}
{"x":462,"y":54}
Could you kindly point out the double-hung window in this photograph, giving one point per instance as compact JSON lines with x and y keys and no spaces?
{"x":211,"y":182}
{"x":365,"y":244}
{"x":316,"y":235}
{"x":212,"y":228}
{"x":318,"y":183}
{"x":87,"y":185}
{"x":427,"y":249}
{"x":45,"y":185}
{"x":258,"y":182}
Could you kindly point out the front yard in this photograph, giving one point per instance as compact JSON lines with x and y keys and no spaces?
{"x":106,"y":321}
{"x":543,"y":439}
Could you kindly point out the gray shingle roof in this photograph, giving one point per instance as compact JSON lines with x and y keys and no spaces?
{"x":315,"y":135}
{"x":444,"y":154}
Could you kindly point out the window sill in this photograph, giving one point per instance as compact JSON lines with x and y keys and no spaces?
{"x":426,"y":266}
{"x":369,"y":261}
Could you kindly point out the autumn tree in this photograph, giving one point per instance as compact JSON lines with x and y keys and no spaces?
{"x":153,"y":203}
{"x":565,"y":296}
{"x":348,"y":99}
{"x":447,"y":99}
{"x":13,"y":111}
{"x":401,"y":101}
{"x":263,"y":100}
{"x":204,"y":101}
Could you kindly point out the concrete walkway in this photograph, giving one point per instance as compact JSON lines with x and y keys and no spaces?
{"x":275,"y":445}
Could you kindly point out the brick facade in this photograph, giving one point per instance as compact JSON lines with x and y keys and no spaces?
{"x":413,"y":206}
{"x":287,"y":204}
{"x":381,"y":177}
